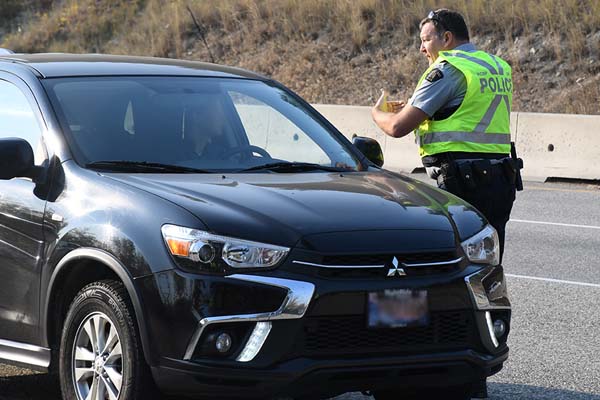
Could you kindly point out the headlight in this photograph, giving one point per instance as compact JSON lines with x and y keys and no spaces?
{"x":206,"y":249}
{"x":484,"y":247}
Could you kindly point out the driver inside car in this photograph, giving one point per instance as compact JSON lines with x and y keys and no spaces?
{"x":204,"y":131}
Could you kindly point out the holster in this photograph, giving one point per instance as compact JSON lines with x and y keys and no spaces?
{"x":518,"y":164}
{"x":510,"y":170}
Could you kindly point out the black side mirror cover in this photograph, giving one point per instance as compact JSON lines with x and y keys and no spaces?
{"x":16,"y":158}
{"x":370,"y":148}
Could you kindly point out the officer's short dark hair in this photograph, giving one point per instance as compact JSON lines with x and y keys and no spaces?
{"x":447,"y":20}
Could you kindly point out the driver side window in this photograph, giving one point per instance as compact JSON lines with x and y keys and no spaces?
{"x":17,"y":119}
{"x":269,"y":129}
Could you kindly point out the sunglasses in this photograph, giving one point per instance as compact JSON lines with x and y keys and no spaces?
{"x":434,"y":17}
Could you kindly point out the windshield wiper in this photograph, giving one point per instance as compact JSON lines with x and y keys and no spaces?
{"x":142,"y":166}
{"x":286,"y":166}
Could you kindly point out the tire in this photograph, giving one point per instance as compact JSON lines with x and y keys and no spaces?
{"x":100,"y":350}
{"x":447,"y":393}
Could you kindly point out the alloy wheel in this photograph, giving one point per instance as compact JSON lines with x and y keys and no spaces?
{"x":97,"y":359}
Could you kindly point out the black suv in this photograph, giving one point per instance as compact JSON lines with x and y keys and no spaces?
{"x":203,"y":230}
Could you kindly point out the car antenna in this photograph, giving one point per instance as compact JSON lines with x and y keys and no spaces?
{"x":201,"y":32}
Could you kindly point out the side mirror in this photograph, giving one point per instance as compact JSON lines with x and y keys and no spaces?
{"x":16,"y":159}
{"x":370,"y":148}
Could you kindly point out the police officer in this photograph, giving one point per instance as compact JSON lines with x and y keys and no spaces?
{"x":460,"y":113}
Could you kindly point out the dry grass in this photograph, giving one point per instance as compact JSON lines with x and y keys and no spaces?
{"x":581,"y":99}
{"x":331,"y":43}
{"x":73,"y":26}
{"x":162,"y":24}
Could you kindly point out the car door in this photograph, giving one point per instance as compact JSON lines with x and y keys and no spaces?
{"x":21,"y":218}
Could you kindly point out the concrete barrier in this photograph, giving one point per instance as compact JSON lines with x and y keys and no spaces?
{"x":551,"y":145}
{"x":399,"y":154}
{"x":559,"y":145}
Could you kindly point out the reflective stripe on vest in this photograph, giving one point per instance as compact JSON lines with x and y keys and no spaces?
{"x":482,"y":122}
{"x":475,"y":137}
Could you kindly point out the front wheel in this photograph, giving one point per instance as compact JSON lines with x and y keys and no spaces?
{"x":100,"y":351}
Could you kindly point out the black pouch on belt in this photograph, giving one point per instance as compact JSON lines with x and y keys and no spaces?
{"x":510,"y":170}
{"x":448,"y":178}
{"x":465,"y":174}
{"x":483,"y":171}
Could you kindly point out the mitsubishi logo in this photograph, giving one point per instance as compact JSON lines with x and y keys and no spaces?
{"x":396,"y":271}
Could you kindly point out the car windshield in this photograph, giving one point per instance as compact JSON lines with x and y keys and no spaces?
{"x":145,"y":124}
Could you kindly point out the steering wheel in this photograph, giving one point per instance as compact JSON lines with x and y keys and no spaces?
{"x":249,"y":149}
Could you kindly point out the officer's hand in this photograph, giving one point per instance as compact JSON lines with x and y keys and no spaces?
{"x":395,"y":106}
{"x":388,"y":106}
{"x":381,"y":105}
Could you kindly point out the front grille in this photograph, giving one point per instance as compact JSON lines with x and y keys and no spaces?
{"x":386,"y":261}
{"x":381,"y":259}
{"x":358,"y":259}
{"x":349,"y":335}
{"x":431,"y":269}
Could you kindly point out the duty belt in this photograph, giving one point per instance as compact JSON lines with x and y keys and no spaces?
{"x":465,"y":175}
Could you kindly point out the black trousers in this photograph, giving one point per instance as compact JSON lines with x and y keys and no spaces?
{"x":493,"y":197}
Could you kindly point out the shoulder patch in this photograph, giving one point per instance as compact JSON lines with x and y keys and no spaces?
{"x":434,"y":75}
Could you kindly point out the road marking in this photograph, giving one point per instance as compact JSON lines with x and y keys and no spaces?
{"x":555,"y":223}
{"x":535,"y":278}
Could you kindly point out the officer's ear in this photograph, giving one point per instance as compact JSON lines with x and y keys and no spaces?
{"x":447,"y":37}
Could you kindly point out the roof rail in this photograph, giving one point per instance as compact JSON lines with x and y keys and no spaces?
{"x":6,"y":51}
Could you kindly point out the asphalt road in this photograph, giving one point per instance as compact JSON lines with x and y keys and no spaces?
{"x":553,"y":261}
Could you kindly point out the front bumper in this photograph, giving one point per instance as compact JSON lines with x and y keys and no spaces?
{"x":316,"y":334}
{"x":315,"y":379}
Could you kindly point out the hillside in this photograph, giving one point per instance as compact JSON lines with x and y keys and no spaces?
{"x":330,"y":51}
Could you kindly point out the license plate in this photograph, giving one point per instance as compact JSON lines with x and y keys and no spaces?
{"x":398,"y":308}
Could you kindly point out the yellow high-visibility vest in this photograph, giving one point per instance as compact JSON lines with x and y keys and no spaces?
{"x":482,"y":122}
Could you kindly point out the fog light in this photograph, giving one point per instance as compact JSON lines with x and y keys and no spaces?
{"x":256,"y":341}
{"x":223,"y":343}
{"x":499,"y":328}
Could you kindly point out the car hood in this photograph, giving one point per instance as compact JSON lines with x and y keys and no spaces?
{"x":285,"y":208}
